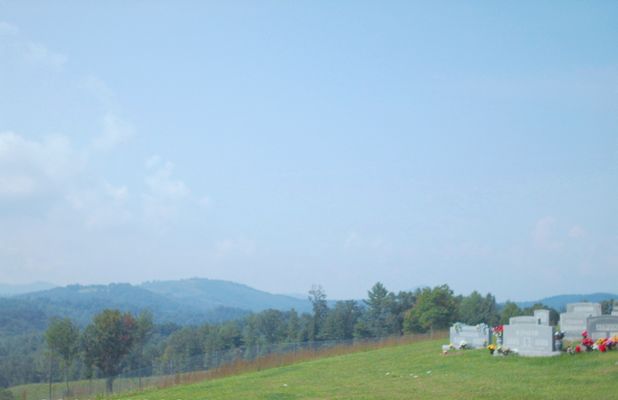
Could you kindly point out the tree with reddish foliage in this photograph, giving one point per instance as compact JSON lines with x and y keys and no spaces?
{"x":110,"y":338}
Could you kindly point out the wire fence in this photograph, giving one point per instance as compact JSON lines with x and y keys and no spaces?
{"x":209,"y":365}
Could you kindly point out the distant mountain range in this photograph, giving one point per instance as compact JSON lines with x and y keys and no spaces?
{"x":7,"y":290}
{"x":209,"y":294}
{"x":184,"y":302}
{"x":559,"y":302}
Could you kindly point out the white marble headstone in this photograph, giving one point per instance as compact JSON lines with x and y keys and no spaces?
{"x":475,"y":336}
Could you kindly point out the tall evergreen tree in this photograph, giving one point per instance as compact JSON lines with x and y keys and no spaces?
{"x":379,"y":310}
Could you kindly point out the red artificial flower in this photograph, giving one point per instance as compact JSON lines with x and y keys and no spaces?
{"x":578,"y":349}
{"x":602,"y":348}
{"x":585,"y":334}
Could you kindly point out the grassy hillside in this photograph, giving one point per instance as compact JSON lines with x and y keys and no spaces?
{"x":416,"y":371}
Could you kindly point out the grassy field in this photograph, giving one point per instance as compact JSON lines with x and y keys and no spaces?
{"x":415,"y":371}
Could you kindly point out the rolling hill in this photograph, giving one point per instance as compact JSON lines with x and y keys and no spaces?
{"x":184,"y":302}
{"x":208,"y":294}
{"x":415,"y":371}
{"x":7,"y":290}
{"x":559,"y":302}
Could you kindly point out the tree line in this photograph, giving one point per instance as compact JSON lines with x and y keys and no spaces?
{"x":116,"y":342}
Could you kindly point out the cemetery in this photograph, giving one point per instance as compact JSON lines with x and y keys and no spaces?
{"x":581,"y":328}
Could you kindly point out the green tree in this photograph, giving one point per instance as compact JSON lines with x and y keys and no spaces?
{"x":341,"y":320}
{"x":144,"y":327}
{"x":110,"y":338}
{"x":293,"y":327}
{"x":475,"y":309}
{"x":434,"y":309}
{"x":379,"y":310}
{"x":317,"y":297}
{"x":185,"y":348}
{"x":509,"y":310}
{"x":62,"y":337}
{"x":404,"y":301}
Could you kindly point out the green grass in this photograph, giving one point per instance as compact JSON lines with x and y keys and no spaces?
{"x":82,"y":388}
{"x":389,"y":373}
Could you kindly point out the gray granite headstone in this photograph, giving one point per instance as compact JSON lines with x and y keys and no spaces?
{"x":542,"y":316}
{"x":524,"y":319}
{"x":615,"y":312}
{"x":475,"y":336}
{"x":573,"y":324}
{"x":603,"y":326}
{"x":593,"y":309}
{"x":530,"y":339}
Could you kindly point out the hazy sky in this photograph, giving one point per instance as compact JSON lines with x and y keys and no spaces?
{"x":282,"y":144}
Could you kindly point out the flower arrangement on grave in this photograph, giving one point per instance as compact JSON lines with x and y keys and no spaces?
{"x":491,"y":348}
{"x":498,"y":332}
{"x":505,"y":351}
{"x":447,"y":347}
{"x":612,"y":343}
{"x":586,"y":341}
{"x":463,"y":345}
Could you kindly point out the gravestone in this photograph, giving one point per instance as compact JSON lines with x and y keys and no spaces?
{"x":475,"y":337}
{"x":530,"y":339}
{"x":542,"y":316}
{"x":574,"y":321}
{"x":593,"y":309}
{"x":604,"y":326}
{"x":573,"y":324}
{"x":524,"y":319}
{"x":615,"y":313}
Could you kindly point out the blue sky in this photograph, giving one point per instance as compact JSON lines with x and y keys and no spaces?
{"x":285,"y":144}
